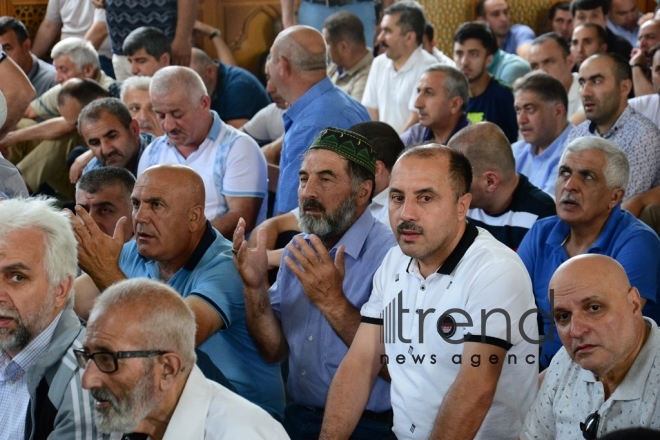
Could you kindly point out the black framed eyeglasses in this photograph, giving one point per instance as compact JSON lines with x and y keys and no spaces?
{"x":106,"y":361}
{"x":590,"y":426}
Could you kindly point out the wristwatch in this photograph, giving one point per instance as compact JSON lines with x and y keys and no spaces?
{"x":215,"y":33}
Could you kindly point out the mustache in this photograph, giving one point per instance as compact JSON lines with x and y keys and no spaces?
{"x":568,"y":197}
{"x":9,"y":313}
{"x":104,"y":395}
{"x":312,"y":203}
{"x":409,"y":226}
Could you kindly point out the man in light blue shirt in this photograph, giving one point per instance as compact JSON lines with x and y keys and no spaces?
{"x":311,"y":314}
{"x":540,"y":103}
{"x":622,"y":20}
{"x":514,"y":39}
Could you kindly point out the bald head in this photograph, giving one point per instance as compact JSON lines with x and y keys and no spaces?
{"x":304,"y":48}
{"x":603,"y":270}
{"x":486,"y":147}
{"x":649,"y":35}
{"x":183,"y":182}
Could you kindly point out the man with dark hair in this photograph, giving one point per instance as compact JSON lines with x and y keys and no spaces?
{"x":588,"y":39}
{"x":592,"y":178}
{"x":623,"y":20}
{"x":105,"y":193}
{"x":351,"y":58}
{"x":551,"y":54}
{"x":540,"y":103}
{"x":428,"y":44}
{"x":640,"y":61}
{"x":608,"y":346}
{"x":236,"y":94}
{"x":596,"y":11}
{"x":605,"y":81}
{"x":310,"y":315}
{"x":442,"y":97}
{"x":16,"y":43}
{"x":443,"y":384}
{"x":649,"y":105}
{"x":390,"y":91}
{"x":504,"y":202}
{"x":514,"y":39}
{"x":490,"y":100}
{"x":147,"y":50}
{"x":561,"y":20}
{"x":112,"y":135}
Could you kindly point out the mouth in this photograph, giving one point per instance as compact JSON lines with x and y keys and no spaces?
{"x":588,"y":106}
{"x":583,"y":349}
{"x":142,"y":237}
{"x":408,"y":235}
{"x":5,"y":321}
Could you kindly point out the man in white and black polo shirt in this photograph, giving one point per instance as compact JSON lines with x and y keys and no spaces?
{"x":449,"y":377}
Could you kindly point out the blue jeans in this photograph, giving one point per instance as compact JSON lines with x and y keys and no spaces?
{"x":313,"y":14}
{"x":303,"y":423}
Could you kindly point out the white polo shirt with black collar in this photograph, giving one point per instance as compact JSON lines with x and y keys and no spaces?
{"x":481,"y":277}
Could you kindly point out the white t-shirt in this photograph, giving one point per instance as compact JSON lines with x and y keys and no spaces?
{"x":574,"y":100}
{"x":480,"y":274}
{"x":393,"y":92}
{"x":3,"y":109}
{"x":267,"y":124}
{"x":229,"y":161}
{"x":76,"y":17}
{"x":648,"y":105}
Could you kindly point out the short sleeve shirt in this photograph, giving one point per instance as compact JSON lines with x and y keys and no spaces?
{"x":495,"y":105}
{"x":518,"y":34}
{"x":238,"y":93}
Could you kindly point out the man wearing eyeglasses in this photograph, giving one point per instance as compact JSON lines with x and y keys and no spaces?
{"x":607,"y":375}
{"x":40,"y":392}
{"x":143,"y":378}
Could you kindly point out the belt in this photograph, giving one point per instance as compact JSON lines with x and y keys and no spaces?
{"x":378,"y":417}
{"x":332,"y":3}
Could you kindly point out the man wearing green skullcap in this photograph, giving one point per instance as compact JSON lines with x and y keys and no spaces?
{"x":311,"y":314}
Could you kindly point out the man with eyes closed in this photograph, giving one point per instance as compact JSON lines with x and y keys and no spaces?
{"x":592,"y":180}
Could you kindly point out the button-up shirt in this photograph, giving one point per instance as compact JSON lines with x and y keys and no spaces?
{"x":14,"y":394}
{"x":353,"y":80}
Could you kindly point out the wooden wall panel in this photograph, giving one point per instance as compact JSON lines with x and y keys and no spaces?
{"x":30,"y":12}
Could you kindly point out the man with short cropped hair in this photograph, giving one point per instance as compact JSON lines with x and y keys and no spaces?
{"x":134,"y":94}
{"x":40,"y":392}
{"x":623,"y":20}
{"x":158,"y":391}
{"x":442,"y":97}
{"x":606,"y":375}
{"x":640,"y":61}
{"x":514,"y":39}
{"x":649,"y":105}
{"x":351,"y":58}
{"x":390,"y":89}
{"x":428,"y":43}
{"x":592,"y":179}
{"x":540,"y":103}
{"x":588,"y":39}
{"x":147,"y":50}
{"x":490,"y":100}
{"x":606,"y":80}
{"x":105,"y":193}
{"x":596,"y":11}
{"x":551,"y":54}
{"x":561,"y":20}
{"x":16,"y":43}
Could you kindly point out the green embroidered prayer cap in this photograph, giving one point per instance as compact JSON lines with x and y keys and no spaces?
{"x":351,"y":146}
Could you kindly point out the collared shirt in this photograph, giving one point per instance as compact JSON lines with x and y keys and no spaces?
{"x":541,"y":169}
{"x":267,"y":125}
{"x":210,"y":275}
{"x":238,"y":93}
{"x":442,"y":58}
{"x":639,"y":138}
{"x":393,"y":92}
{"x":481,"y":274}
{"x":323,"y":105}
{"x":528,"y":204}
{"x":229,"y":161}
{"x":379,"y":206}
{"x":145,"y":140}
{"x":508,"y":67}
{"x":626,"y":239}
{"x":630,"y":36}
{"x":353,"y":80}
{"x":14,"y":394}
{"x":569,"y":394}
{"x":41,"y":75}
{"x":518,"y":34}
{"x":574,"y":99}
{"x":419,"y":134}
{"x":315,"y":349}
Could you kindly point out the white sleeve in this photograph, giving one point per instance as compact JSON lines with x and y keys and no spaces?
{"x":99,"y":15}
{"x":53,"y":11}
{"x":257,"y":127}
{"x":374,"y":307}
{"x":3,"y":108}
{"x":370,"y":97}
{"x":246,"y":171}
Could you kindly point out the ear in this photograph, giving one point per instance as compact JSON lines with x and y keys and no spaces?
{"x":380,"y":169}
{"x":463,"y":205}
{"x":165,"y":59}
{"x":365,"y":192}
{"x":27,"y":44}
{"x":603,"y":48}
{"x":455,"y":105}
{"x":559,"y":109}
{"x":480,"y":19}
{"x":489,"y":59}
{"x":570,"y":59}
{"x":88,"y":71}
{"x":211,"y":71}
{"x":171,"y":369}
{"x":617,"y":196}
{"x":205,"y":102}
{"x":635,"y":299}
{"x":135,"y":128}
{"x":62,"y":292}
{"x":411,"y":38}
{"x":492,"y":181}
{"x":196,"y":217}
{"x":284,"y":68}
{"x":625,"y":87}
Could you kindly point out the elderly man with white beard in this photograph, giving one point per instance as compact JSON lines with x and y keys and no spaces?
{"x":310,"y":315}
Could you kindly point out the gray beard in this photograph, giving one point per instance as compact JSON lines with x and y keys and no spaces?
{"x":329,"y":225}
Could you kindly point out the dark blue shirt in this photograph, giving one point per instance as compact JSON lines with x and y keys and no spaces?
{"x":495,"y":105}
{"x":238,"y":94}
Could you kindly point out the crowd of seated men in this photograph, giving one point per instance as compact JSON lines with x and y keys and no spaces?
{"x":378,"y":242}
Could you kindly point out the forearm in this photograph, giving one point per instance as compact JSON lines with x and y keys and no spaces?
{"x":641,"y":83}
{"x":105,"y":276}
{"x":288,"y":13}
{"x":17,"y":92}
{"x":47,"y":130}
{"x":46,"y":35}
{"x":462,"y":413}
{"x":186,"y":14}
{"x":343,"y":317}
{"x":224,"y":53}
{"x":373,"y":112}
{"x":263,"y":325}
{"x":97,"y":33}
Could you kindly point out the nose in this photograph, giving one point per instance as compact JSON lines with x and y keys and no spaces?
{"x":578,"y":328}
{"x":134,"y":69}
{"x":522,"y":117}
{"x":419,"y":101}
{"x":381,"y":36}
{"x":59,"y":78}
{"x":106,"y":147}
{"x":91,"y":376}
{"x":167,"y":123}
{"x":408,"y":210}
{"x":308,"y":189}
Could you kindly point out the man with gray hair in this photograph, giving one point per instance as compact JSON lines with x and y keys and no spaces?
{"x":298,"y":69}
{"x":230,"y":162}
{"x":40,"y":392}
{"x":145,"y":331}
{"x":593,"y":174}
{"x":442,"y":96}
{"x":134,"y":93}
